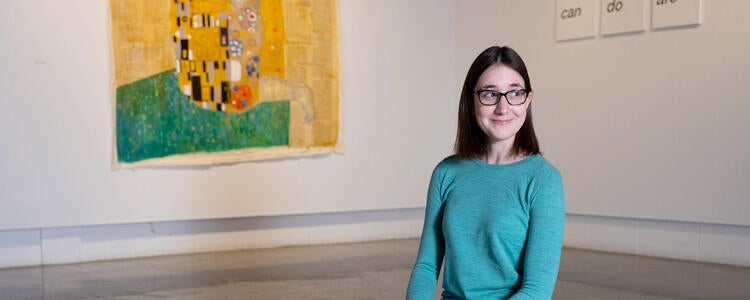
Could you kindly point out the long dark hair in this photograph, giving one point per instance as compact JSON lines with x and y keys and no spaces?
{"x":471,"y":141}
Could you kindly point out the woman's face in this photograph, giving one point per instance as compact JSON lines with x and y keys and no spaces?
{"x":500,"y":122}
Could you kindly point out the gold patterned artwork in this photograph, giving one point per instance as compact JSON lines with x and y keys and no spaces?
{"x":217,"y":81}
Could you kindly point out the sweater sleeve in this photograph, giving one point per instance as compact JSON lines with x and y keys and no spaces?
{"x":544,"y":241}
{"x":426,"y":270}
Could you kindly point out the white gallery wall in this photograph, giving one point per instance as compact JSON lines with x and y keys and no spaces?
{"x":651,"y":166}
{"x":60,"y":201}
{"x":649,"y":129}
{"x":648,"y":125}
{"x":56,"y":125}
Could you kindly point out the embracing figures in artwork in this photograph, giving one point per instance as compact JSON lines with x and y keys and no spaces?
{"x":229,"y":55}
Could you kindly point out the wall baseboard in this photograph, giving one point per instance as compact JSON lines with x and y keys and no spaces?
{"x":724,"y":244}
{"x":712,"y":243}
{"x":48,"y":246}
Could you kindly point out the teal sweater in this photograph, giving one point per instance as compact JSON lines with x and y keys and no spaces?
{"x":499,"y":228}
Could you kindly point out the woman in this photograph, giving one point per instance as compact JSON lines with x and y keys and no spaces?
{"x":495,"y":209}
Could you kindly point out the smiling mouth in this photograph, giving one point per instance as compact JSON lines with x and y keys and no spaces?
{"x":500,"y":122}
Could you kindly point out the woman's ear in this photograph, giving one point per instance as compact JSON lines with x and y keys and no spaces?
{"x":529,"y":100}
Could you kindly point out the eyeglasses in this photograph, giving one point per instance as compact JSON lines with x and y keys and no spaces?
{"x":492,"y":97}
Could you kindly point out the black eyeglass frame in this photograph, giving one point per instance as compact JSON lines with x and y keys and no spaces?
{"x":501,"y":95}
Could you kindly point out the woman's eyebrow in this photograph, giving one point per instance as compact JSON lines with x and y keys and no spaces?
{"x":492,"y":86}
{"x":486,"y":86}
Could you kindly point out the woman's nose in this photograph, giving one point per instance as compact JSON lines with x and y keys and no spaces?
{"x":502,"y":107}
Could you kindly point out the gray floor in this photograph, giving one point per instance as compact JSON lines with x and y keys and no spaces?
{"x":375,"y":270}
